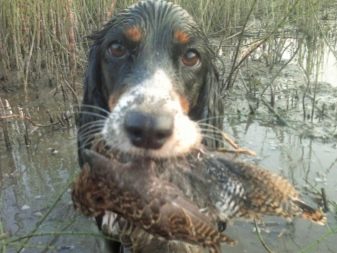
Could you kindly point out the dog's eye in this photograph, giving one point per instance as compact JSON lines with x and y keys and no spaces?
{"x":118,"y":50}
{"x":190,"y":58}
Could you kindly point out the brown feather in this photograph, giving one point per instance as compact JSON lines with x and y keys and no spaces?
{"x":164,"y":197}
{"x":133,"y":191}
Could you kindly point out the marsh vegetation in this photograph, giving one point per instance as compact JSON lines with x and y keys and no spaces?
{"x":278,"y":65}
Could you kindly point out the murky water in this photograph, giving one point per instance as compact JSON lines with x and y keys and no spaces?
{"x":35,"y":179}
{"x":328,"y":69}
{"x":32,"y":180}
{"x":327,"y":66}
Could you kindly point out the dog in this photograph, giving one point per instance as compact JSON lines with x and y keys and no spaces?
{"x":151,"y":88}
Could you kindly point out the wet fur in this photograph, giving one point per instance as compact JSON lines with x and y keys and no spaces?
{"x":105,"y":78}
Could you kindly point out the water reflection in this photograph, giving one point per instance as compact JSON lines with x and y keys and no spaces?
{"x":321,"y":57}
{"x":328,"y":69}
{"x":32,"y":179}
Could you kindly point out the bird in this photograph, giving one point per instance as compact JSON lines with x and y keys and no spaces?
{"x":243,"y":190}
{"x":185,"y":198}
{"x":133,"y":191}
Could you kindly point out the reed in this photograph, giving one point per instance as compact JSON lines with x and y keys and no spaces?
{"x":46,"y":38}
{"x":40,"y":39}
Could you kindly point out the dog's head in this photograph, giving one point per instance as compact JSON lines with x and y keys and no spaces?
{"x":151,"y":69}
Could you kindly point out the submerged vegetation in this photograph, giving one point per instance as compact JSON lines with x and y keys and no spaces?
{"x":270,"y":52}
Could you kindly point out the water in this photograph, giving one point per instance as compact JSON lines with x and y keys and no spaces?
{"x":32,"y":179}
{"x":325,"y":57}
{"x":328,"y":69}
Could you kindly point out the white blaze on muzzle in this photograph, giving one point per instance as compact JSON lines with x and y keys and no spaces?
{"x":154,"y":95}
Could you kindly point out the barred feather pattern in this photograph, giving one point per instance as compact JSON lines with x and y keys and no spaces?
{"x":249,"y":191}
{"x":134,"y":192}
{"x":163,"y":199}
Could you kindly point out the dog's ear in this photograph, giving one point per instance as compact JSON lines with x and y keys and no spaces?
{"x":93,"y":85}
{"x":215,"y":107}
{"x":213,"y":111}
{"x":93,"y":100}
{"x":93,"y":95}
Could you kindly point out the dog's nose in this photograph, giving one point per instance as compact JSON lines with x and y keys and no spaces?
{"x":147,"y":130}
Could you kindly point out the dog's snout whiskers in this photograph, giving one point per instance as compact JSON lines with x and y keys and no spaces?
{"x":148,"y":131}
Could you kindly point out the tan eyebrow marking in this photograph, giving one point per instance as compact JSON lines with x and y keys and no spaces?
{"x":181,"y":37}
{"x":133,"y":33}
